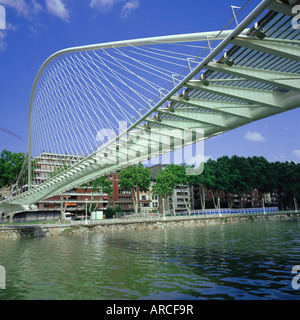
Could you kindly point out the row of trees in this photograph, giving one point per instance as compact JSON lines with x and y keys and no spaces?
{"x":230,"y":175}
{"x":234,"y":175}
{"x":239,"y":175}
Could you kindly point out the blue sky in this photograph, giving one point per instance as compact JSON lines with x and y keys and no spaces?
{"x":35,"y":29}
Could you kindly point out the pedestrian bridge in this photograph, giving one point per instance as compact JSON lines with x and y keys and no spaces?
{"x":119,"y":103}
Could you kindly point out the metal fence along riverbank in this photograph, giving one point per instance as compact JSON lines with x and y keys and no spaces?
{"x":195,"y":214}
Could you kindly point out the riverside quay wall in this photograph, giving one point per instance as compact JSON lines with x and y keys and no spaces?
{"x":117,"y":225}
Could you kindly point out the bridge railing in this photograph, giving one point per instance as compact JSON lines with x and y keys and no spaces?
{"x":143,"y":219}
{"x":162,"y":218}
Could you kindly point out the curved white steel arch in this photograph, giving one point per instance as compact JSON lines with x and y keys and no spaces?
{"x":202,"y":36}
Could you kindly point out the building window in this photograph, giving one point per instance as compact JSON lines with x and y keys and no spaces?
{"x":145,"y":205}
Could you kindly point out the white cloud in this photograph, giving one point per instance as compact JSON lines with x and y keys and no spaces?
{"x":3,"y":34}
{"x":2,"y":41}
{"x":35,"y":7}
{"x":22,"y":7}
{"x":35,"y":28}
{"x":296,"y":153}
{"x":19,"y":5}
{"x":280,"y":157}
{"x":129,"y":6}
{"x":58,"y":9}
{"x":254,"y":136}
{"x":28,"y":8}
{"x":106,"y":5}
{"x":103,"y":5}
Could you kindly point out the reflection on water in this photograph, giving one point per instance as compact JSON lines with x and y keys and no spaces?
{"x":240,"y":261}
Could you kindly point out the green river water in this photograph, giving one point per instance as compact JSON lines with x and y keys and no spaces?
{"x":238,"y":261}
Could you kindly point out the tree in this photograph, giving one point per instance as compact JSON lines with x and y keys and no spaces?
{"x":175,"y":177}
{"x":134,"y":178}
{"x":224,"y":177}
{"x":197,"y":181}
{"x":287,"y":182}
{"x":10,"y":166}
{"x":163,"y":186}
{"x":210,"y":178}
{"x":168,"y":179}
{"x":64,"y":200}
{"x":99,"y":185}
{"x":263,"y":178}
{"x":109,"y":213}
{"x":240,"y":177}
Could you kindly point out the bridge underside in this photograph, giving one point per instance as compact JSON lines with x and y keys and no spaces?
{"x":258,"y":77}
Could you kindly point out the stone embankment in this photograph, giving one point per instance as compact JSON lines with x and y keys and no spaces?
{"x":117,"y":225}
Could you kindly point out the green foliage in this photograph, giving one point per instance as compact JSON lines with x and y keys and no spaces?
{"x":101,"y":184}
{"x":163,"y":184}
{"x":235,"y":175}
{"x":109,"y":213}
{"x":118,"y":209}
{"x":10,"y":167}
{"x":169,"y":178}
{"x":133,"y":178}
{"x":241,"y":175}
{"x":231,"y":175}
{"x":286,"y":178}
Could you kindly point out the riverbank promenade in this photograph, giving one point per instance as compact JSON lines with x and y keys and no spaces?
{"x":44,"y":229}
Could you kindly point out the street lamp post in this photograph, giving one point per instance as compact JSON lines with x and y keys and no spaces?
{"x":219,"y":207}
{"x":86,"y":210}
{"x":263,"y":203}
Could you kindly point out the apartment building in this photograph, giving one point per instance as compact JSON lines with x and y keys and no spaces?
{"x":119,"y":196}
{"x":148,"y":201}
{"x":272,"y":198}
{"x":123,"y":198}
{"x":183,"y":199}
{"x":75,"y":200}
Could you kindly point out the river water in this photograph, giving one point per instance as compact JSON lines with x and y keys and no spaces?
{"x":238,"y":261}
